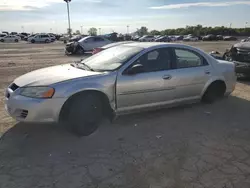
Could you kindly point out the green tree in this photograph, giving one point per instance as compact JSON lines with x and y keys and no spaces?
{"x":155,"y":32}
{"x":142,"y":31}
{"x":77,"y":32}
{"x":92,"y":31}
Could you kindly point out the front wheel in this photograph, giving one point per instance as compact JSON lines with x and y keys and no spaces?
{"x":84,"y":114}
{"x":2,"y":40}
{"x":16,"y":40}
{"x":46,"y":41}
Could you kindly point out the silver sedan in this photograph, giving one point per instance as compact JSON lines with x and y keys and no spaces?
{"x":122,"y":79}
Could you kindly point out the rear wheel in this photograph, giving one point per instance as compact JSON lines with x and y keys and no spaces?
{"x":2,"y":40}
{"x":46,"y":41}
{"x":16,"y":40}
{"x":84,"y":114}
{"x":32,"y":41}
{"x":215,"y":91}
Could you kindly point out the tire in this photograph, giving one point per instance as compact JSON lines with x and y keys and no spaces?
{"x":16,"y":40}
{"x":80,"y":50}
{"x":84,"y":114}
{"x":46,"y":41}
{"x":214,"y":92}
{"x":2,"y":40}
{"x":32,"y":41}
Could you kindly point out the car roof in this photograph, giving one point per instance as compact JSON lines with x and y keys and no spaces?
{"x":154,"y":44}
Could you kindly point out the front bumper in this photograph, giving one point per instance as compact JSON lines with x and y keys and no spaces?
{"x":27,"y":109}
{"x":242,"y":68}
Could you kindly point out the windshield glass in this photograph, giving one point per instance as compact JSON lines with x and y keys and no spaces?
{"x":111,"y":58}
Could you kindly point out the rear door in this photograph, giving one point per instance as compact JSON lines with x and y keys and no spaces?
{"x":99,"y":42}
{"x":192,"y":73}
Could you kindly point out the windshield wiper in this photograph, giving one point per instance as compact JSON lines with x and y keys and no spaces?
{"x":81,"y":66}
{"x":86,"y":66}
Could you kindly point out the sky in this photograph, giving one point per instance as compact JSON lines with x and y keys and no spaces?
{"x":116,"y":15}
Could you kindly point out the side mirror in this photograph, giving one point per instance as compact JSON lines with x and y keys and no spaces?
{"x":135,"y":69}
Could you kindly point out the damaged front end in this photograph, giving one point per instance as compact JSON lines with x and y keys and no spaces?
{"x":240,"y":55}
{"x":73,"y":48}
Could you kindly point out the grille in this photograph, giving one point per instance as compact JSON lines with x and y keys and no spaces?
{"x":13,"y":87}
{"x":24,"y":113}
{"x":242,"y":55}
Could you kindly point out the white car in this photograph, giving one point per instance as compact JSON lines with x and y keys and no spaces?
{"x":190,"y":38}
{"x":2,"y":35}
{"x":147,"y":38}
{"x":40,"y":38}
{"x":10,"y":38}
{"x":92,"y":42}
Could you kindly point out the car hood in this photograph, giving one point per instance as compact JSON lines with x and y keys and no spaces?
{"x":52,"y":75}
{"x":245,"y":45}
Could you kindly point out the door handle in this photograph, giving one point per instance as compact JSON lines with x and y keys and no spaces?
{"x":207,"y":72}
{"x":167,"y":77}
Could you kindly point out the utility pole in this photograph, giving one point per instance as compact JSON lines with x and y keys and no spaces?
{"x":22,"y":29}
{"x":81,"y":29}
{"x":68,"y":1}
{"x":99,"y":31}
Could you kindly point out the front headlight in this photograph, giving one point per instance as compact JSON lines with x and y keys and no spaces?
{"x":37,"y":92}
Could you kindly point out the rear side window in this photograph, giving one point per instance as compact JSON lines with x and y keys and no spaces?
{"x":187,"y":58}
{"x":98,"y":39}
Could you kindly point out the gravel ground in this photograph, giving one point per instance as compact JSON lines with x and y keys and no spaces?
{"x":193,"y":146}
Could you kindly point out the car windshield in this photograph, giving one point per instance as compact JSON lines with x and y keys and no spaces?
{"x":112,"y":58}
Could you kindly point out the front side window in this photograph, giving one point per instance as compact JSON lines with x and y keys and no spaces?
{"x":186,"y":59}
{"x":156,"y":60}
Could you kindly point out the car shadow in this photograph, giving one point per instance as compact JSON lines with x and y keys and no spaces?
{"x":49,"y":150}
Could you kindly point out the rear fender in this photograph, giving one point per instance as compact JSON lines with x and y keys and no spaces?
{"x":210,"y":81}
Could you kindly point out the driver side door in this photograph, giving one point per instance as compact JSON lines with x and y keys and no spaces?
{"x":151,"y":87}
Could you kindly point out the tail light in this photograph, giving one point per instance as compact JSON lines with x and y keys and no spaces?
{"x":96,"y":50}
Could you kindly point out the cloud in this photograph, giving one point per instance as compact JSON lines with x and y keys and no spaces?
{"x":26,"y":5}
{"x":201,"y":4}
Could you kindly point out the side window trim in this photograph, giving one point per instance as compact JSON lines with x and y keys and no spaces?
{"x":124,"y":72}
{"x":204,"y":61}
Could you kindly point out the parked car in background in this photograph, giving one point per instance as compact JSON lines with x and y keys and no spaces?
{"x":40,"y":38}
{"x":123,"y":79}
{"x":179,"y":37}
{"x":240,"y":55}
{"x":136,"y":38}
{"x":163,"y":39}
{"x":86,"y":44}
{"x":219,"y":37}
{"x":99,"y":49}
{"x":26,"y":38}
{"x":75,"y":38}
{"x":21,"y":36}
{"x":13,"y":33}
{"x":52,"y":37}
{"x":10,"y":38}
{"x":147,"y":38}
{"x":209,"y":38}
{"x":229,"y":38}
{"x":64,"y":38}
{"x":190,"y":38}
{"x":246,"y":40}
{"x":2,"y":35}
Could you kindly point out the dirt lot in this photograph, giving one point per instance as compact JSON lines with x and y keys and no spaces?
{"x":194,"y":146}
